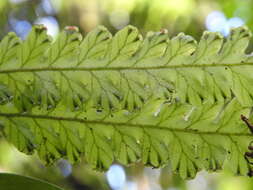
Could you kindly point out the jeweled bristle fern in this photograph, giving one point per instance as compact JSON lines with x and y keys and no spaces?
{"x":106,"y":98}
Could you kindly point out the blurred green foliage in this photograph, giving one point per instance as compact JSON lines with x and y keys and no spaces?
{"x":23,"y":183}
{"x":176,"y":16}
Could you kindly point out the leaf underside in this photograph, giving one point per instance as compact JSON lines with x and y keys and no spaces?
{"x":106,"y":98}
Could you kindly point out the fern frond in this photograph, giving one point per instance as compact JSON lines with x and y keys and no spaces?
{"x":123,"y":98}
{"x":190,"y":138}
{"x":123,"y":71}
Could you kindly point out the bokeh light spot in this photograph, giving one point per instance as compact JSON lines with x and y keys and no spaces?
{"x":50,"y":23}
{"x":47,"y":7}
{"x":116,"y":177}
{"x":21,"y":27}
{"x":130,"y":185}
{"x":235,"y":22}
{"x":119,"y":18}
{"x":65,"y":167}
{"x":216,"y":21}
{"x":198,"y":183}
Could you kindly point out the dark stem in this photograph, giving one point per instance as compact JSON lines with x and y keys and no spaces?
{"x":246,"y":120}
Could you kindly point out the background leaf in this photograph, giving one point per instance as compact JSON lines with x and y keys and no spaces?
{"x":14,"y":181}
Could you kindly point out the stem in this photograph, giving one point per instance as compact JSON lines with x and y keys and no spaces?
{"x":53,"y":69}
{"x":120,"y":124}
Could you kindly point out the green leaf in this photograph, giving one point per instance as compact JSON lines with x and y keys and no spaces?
{"x":190,"y":138}
{"x":30,"y":50}
{"x":8,"y":48}
{"x":106,"y":98}
{"x":123,"y":71}
{"x":95,"y":44}
{"x":14,"y":181}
